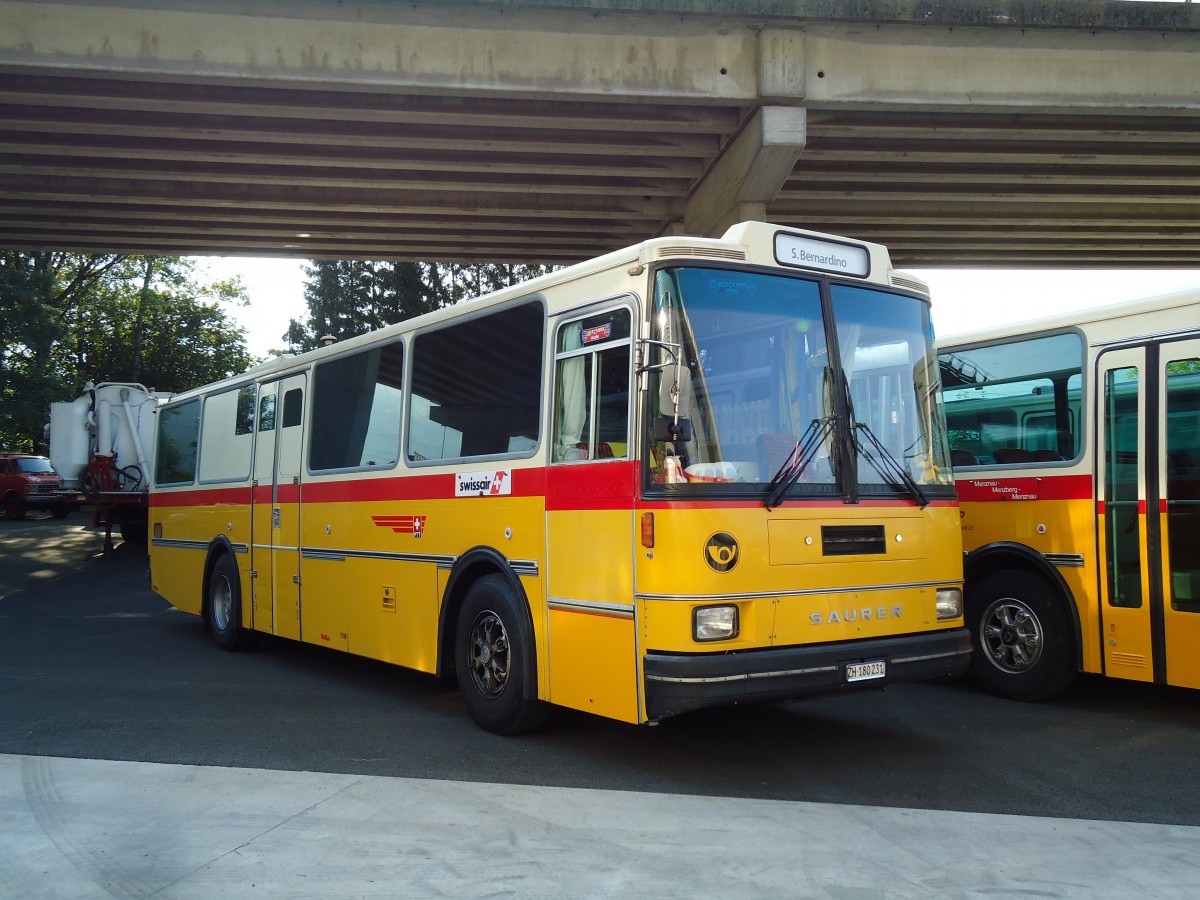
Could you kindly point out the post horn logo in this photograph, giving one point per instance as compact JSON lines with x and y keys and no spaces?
{"x":721,"y":552}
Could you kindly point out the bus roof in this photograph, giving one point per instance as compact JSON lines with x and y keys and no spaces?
{"x":1082,"y":317}
{"x":746,"y":242}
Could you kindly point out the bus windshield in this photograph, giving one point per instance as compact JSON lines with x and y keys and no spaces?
{"x":759,"y":399}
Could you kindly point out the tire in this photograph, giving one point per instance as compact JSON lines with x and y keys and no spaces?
{"x":492,"y":657}
{"x":133,"y":532}
{"x":60,"y":510}
{"x":1021,"y":636}
{"x":223,"y":607}
{"x":14,"y":507}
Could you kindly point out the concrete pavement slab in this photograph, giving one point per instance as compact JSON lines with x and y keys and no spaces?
{"x":74,"y":828}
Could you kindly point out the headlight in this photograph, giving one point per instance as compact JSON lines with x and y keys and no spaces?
{"x":949,"y":603}
{"x":714,"y":623}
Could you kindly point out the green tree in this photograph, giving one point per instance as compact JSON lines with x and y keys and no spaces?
{"x":350,"y":297}
{"x":151,"y":321}
{"x":39,"y":295}
{"x":67,"y":318}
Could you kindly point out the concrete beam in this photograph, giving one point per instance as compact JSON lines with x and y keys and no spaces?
{"x":750,"y":172}
{"x":982,"y":69}
{"x":748,"y":51}
{"x":414,"y":47}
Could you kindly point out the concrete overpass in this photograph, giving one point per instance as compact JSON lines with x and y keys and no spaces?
{"x":957,"y":132}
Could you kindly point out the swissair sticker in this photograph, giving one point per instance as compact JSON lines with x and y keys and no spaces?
{"x":483,"y":484}
{"x":414,"y":525}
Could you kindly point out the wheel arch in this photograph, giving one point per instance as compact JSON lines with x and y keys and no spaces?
{"x":1010,"y":556}
{"x":467,"y":570}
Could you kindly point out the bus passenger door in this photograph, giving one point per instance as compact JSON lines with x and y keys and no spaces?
{"x":590,"y":489}
{"x":1127,"y":602}
{"x":1179,"y":508}
{"x":285,"y":511}
{"x":262,"y":501}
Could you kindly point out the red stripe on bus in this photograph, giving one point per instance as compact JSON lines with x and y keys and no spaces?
{"x":525,"y":483}
{"x":1101,"y":508}
{"x":790,"y":504}
{"x":591,"y":486}
{"x":235,"y":496}
{"x":1043,"y":487}
{"x":403,"y":487}
{"x":582,"y":487}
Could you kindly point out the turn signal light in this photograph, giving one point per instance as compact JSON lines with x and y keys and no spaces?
{"x":648,"y":530}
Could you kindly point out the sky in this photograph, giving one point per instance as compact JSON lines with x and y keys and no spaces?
{"x":963,"y":299}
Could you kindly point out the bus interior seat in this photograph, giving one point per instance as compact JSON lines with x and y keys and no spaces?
{"x":1006,"y":456}
{"x":963,"y":458}
{"x":1047,"y":456}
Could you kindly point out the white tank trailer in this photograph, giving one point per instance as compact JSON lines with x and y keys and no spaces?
{"x":101,"y":445}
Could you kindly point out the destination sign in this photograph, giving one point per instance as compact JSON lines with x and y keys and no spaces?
{"x":824,"y":256}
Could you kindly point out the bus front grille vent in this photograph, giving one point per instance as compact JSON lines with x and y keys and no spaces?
{"x":904,"y":281}
{"x":705,"y":252}
{"x":852,"y":540}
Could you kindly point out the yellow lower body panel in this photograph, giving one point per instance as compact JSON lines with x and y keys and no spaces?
{"x":593,"y":663}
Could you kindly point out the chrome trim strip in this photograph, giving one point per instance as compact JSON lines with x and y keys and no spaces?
{"x":175,"y":544}
{"x":928,"y":656}
{"x":522,"y":567}
{"x":770,"y":595}
{"x":742,"y":677}
{"x":323,"y":554}
{"x":592,"y":607}
{"x":341,"y":554}
{"x":1064,"y":560}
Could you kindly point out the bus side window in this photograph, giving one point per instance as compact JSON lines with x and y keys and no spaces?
{"x":225,"y":441}
{"x":266,"y":413}
{"x":293,"y":403}
{"x":591,"y":400}
{"x":477,"y":386}
{"x":178,"y":440}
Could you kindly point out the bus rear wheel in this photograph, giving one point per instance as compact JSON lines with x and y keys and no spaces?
{"x":491,"y":659}
{"x":1021,"y":637}
{"x":224,"y":606}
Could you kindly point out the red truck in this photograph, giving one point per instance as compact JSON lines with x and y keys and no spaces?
{"x":30,"y":482}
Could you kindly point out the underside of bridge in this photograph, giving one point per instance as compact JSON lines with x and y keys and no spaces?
{"x":1046,"y":134}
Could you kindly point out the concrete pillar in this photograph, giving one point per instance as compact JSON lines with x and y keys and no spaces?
{"x":750,"y":172}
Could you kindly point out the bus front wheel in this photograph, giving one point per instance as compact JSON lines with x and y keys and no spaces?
{"x":1021,"y":637}
{"x":225,"y":606}
{"x":491,"y":659}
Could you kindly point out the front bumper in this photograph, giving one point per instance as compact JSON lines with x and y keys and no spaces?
{"x":680,"y":682}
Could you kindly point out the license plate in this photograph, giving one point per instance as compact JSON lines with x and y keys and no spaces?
{"x":865,"y":671}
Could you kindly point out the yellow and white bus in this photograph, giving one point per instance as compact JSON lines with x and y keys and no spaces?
{"x":1076,"y":448}
{"x":688,"y":473}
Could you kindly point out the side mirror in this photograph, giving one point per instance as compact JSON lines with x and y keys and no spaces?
{"x":665,"y":429}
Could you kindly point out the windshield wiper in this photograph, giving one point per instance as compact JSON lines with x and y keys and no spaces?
{"x":798,"y":460}
{"x":890,"y":468}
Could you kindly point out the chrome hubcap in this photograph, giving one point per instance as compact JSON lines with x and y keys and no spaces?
{"x":222,"y":604}
{"x":1011,"y":635}
{"x":487,"y":654}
